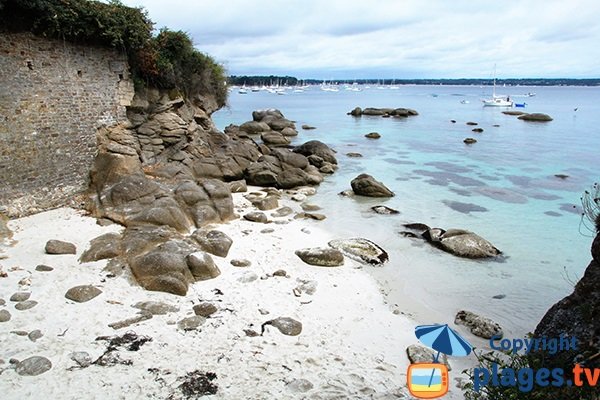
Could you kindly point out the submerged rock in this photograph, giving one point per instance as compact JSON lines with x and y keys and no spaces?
{"x":321,"y":256}
{"x":361,"y":250}
{"x":373,"y":135}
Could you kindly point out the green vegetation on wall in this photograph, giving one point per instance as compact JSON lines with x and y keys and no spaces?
{"x":167,"y":60}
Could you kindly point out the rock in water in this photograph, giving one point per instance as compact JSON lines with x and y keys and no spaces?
{"x":323,"y":257}
{"x":463,"y":243}
{"x":82,"y":293}
{"x":384,"y":210}
{"x":33,"y":366}
{"x":287,"y":326}
{"x":317,"y":148}
{"x":366,"y":185}
{"x":535,"y":117}
{"x":373,"y":135}
{"x":361,"y":250}
{"x":60,"y":247}
{"x":479,"y":326}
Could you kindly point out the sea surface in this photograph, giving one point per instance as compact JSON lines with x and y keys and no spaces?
{"x":503,"y":188}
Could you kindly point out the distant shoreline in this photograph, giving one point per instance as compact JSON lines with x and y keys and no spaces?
{"x":253,"y":80}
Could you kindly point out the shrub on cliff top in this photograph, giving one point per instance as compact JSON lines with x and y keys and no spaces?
{"x":168,"y":60}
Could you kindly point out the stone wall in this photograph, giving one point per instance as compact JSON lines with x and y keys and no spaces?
{"x":54,"y":95}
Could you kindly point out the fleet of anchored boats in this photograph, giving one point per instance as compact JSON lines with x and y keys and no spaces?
{"x":494,"y":101}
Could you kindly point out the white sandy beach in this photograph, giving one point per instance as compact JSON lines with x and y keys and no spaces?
{"x":352,"y":345}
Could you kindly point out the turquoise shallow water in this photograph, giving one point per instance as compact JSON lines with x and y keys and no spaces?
{"x":503,"y":188}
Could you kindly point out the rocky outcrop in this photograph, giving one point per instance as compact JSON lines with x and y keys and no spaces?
{"x":284,"y":169}
{"x":390,"y":112}
{"x":366,"y":185}
{"x":577,"y":315}
{"x":270,"y":124}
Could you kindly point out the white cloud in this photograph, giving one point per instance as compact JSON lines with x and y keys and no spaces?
{"x":391,"y":38}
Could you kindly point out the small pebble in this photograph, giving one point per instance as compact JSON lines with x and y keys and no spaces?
{"x":240,"y":262}
{"x":82,"y":358}
{"x":280,"y":272}
{"x":20,"y":296}
{"x":26,"y":305}
{"x":35,"y":335}
{"x":44,"y":268}
{"x":205,"y":309}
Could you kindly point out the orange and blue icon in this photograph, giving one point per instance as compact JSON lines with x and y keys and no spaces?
{"x":430,"y":380}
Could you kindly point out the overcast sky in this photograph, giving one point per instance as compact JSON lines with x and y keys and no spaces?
{"x":332,"y":39}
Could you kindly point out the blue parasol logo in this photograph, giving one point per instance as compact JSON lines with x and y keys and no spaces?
{"x":430,"y":380}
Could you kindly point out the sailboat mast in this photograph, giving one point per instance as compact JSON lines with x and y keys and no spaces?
{"x":494,"y":89}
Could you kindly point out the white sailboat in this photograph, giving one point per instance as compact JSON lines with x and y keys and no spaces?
{"x":497,"y":101}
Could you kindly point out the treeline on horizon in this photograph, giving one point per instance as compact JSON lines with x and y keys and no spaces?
{"x":267,"y":80}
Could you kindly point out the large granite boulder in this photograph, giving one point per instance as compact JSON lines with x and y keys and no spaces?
{"x":366,"y":185}
{"x":283,"y":169}
{"x":461,"y":243}
{"x":165,"y":268}
{"x":317,"y":148}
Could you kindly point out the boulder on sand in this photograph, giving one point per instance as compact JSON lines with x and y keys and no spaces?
{"x":321,"y":256}
{"x":361,"y":250}
{"x":478,"y":325}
